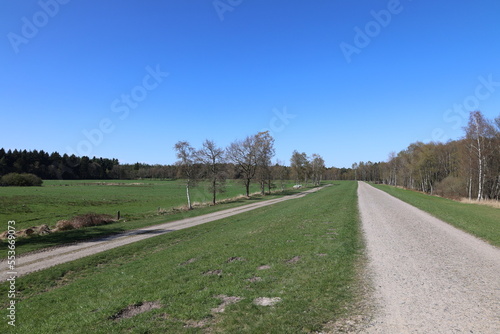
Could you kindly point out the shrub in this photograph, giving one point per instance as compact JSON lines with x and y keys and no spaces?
{"x":451,"y":187}
{"x":64,"y":225}
{"x":91,"y":219}
{"x":20,"y":180}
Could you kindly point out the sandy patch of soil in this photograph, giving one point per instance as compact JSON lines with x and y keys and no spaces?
{"x":135,"y":309}
{"x":294,"y":259}
{"x":188,"y":261}
{"x":213,"y":272}
{"x":266,"y":301}
{"x":226,"y":300}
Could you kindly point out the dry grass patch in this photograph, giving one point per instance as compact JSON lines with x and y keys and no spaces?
{"x":488,"y":202}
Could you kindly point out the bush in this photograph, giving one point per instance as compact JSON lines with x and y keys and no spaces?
{"x":20,"y":180}
{"x":91,"y":219}
{"x":451,"y":187}
{"x":85,"y":220}
{"x":64,"y":225}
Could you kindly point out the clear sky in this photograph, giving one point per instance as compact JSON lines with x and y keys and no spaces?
{"x":349,"y":80}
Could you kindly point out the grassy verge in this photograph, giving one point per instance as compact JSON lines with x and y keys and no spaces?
{"x":479,"y":220}
{"x":309,"y":246}
{"x":57,"y":197}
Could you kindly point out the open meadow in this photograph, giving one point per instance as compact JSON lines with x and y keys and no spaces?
{"x":138,"y":201}
{"x":300,"y":257}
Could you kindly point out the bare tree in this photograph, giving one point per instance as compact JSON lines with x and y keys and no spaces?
{"x":317,"y":168}
{"x":212,"y":157}
{"x":187,"y":159}
{"x":243,"y":154}
{"x":264,"y":143}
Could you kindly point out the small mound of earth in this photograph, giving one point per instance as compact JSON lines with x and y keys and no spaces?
{"x":213,"y":272}
{"x":235,"y":258}
{"x":135,"y":309}
{"x":226,"y":300}
{"x":188,"y":261}
{"x":196,"y":324}
{"x":254,"y":279}
{"x":266,"y":301}
{"x":295,"y":259}
{"x":264,"y":267}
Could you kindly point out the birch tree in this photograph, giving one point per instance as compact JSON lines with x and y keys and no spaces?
{"x":299,"y":163}
{"x":186,"y":163}
{"x":317,"y":168}
{"x":477,"y":133}
{"x":264,"y":147}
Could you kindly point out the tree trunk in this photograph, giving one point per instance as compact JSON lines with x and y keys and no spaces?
{"x":188,"y":197}
{"x":214,"y":190}
{"x":247,"y":186}
{"x":480,"y":177}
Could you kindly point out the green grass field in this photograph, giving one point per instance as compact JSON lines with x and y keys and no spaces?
{"x":57,"y":200}
{"x":312,"y":246}
{"x":479,"y":220}
{"x":137,"y":201}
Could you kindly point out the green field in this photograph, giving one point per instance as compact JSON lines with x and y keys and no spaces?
{"x":56,"y":200}
{"x":312,"y":247}
{"x":137,"y":201}
{"x":479,"y":220}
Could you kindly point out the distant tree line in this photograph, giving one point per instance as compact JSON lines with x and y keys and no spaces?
{"x":249,"y":160}
{"x":469,"y":167}
{"x":54,"y":166}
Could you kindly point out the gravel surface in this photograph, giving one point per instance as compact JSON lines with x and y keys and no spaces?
{"x":428,"y":277}
{"x":41,"y":260}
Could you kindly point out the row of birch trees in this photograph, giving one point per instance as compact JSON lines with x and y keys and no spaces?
{"x":468,"y":167}
{"x":306,"y":168}
{"x":251,"y":157}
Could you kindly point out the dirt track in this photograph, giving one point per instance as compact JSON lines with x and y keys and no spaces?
{"x":42,"y":260}
{"x":428,"y":276}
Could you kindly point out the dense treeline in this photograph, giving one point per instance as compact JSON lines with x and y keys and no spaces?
{"x":469,"y":167}
{"x":54,"y":166}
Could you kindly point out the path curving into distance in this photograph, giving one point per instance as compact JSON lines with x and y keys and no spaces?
{"x":28,"y":263}
{"x":428,"y":276}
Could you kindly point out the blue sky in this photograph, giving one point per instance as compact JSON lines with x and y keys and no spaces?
{"x":349,"y":80}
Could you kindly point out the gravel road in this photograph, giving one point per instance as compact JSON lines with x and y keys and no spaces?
{"x":41,"y":260}
{"x":428,"y":277}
